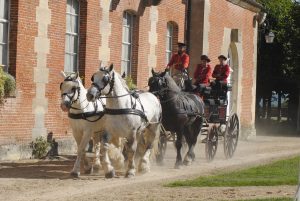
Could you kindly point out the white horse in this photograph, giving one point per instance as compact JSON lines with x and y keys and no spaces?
{"x":85,"y":119}
{"x":135,"y":117}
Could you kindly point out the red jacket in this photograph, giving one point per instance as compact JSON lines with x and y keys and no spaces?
{"x":180,"y":62}
{"x":221,"y":73}
{"x":202,"y":74}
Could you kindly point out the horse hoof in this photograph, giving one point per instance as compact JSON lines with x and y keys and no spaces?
{"x":130,"y":174}
{"x":187,"y":163}
{"x":177,"y":166}
{"x":75,"y":174}
{"x":144,"y":170}
{"x":110,"y":174}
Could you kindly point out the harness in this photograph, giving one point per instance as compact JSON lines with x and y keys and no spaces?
{"x":122,"y":111}
{"x":84,"y":115}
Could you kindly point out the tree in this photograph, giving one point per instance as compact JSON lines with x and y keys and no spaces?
{"x":278,"y":63}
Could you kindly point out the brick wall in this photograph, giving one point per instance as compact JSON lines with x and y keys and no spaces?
{"x":225,"y":14}
{"x":16,"y":115}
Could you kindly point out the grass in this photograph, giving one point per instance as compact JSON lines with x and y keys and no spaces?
{"x":271,"y":199}
{"x":283,"y":172}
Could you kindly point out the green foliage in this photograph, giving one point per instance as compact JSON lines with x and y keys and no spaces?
{"x":39,"y":147}
{"x":283,"y":172}
{"x":7,"y":85}
{"x":130,"y":83}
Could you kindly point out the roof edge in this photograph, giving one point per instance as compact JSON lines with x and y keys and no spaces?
{"x":251,"y":5}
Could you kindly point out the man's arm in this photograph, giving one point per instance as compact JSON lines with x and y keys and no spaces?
{"x":226,"y":72}
{"x":186,"y":61}
{"x":215,"y":72}
{"x":171,"y":61}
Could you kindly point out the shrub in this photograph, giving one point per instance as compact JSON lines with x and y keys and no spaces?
{"x":40,"y":147}
{"x":130,"y":83}
{"x":7,"y":85}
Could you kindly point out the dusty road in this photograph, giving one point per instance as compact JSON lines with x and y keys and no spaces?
{"x":28,"y":180}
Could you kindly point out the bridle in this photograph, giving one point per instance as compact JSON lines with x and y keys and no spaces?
{"x":107,"y":79}
{"x":74,"y":90}
{"x":110,"y":80}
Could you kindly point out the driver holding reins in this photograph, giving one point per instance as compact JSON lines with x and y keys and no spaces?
{"x":179,"y":61}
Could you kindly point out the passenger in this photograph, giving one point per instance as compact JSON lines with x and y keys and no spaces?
{"x":203,"y":73}
{"x":222,"y":70}
{"x":221,"y":73}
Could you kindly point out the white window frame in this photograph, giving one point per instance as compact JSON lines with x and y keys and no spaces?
{"x":73,"y":53}
{"x":6,"y":21}
{"x":126,"y":63}
{"x":169,"y":41}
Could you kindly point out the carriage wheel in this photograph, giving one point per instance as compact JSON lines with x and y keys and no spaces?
{"x":162,"y":145}
{"x":231,"y":136}
{"x":211,"y":145}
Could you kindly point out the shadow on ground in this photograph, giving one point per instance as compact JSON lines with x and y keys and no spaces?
{"x":47,"y":169}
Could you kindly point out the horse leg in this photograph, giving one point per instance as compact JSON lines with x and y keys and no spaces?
{"x":151,"y":133}
{"x":105,"y":161}
{"x":188,"y":157}
{"x":81,"y":153}
{"x":76,"y":168}
{"x":131,"y":146}
{"x":82,"y":148}
{"x":191,"y":137}
{"x":115,"y":153}
{"x":178,"y":145}
{"x":97,"y":144}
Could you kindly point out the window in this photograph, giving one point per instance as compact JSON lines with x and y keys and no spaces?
{"x":128,"y":24}
{"x":72,"y":34}
{"x":169,"y":42}
{"x":4,"y":26}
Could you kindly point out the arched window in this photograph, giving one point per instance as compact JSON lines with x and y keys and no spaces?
{"x":169,"y":41}
{"x":4,"y":32}
{"x":127,"y":42}
{"x":72,"y":35}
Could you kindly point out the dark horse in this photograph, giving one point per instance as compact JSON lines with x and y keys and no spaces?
{"x":182,"y":113}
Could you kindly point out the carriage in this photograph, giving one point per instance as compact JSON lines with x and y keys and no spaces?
{"x":220,"y":124}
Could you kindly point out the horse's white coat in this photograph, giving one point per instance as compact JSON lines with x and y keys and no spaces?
{"x":82,"y":129}
{"x":139,"y":133}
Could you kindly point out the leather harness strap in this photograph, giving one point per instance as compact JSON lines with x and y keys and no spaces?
{"x":87,"y":115}
{"x":126,"y":111}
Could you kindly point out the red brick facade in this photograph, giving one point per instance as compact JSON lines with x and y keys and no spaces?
{"x":17,"y":115}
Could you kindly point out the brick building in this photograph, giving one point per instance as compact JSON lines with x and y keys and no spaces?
{"x":39,"y":38}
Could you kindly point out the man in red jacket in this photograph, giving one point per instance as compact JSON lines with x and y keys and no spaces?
{"x":179,"y":64}
{"x":221,"y":73}
{"x":203,"y":72}
{"x":179,"y":61}
{"x":222,"y":70}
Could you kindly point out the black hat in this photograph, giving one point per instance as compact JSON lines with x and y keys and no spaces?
{"x":181,"y":44}
{"x":222,"y":57}
{"x":204,"y":57}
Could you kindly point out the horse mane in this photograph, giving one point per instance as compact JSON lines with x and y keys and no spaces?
{"x":123,"y":81}
{"x":171,"y":84}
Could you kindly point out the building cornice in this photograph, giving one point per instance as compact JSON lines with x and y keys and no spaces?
{"x":251,"y":5}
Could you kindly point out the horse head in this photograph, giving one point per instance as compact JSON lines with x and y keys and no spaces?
{"x":102,"y":83}
{"x":70,"y":90}
{"x":157,"y":83}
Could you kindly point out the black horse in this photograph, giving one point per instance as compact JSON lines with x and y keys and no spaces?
{"x":182,"y":113}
